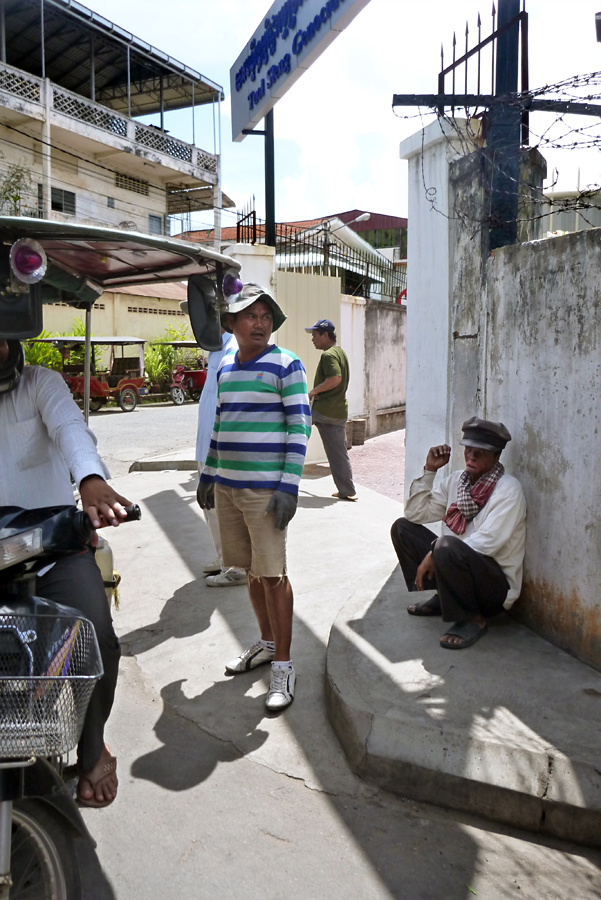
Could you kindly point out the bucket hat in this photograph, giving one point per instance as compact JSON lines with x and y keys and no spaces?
{"x":249,"y":294}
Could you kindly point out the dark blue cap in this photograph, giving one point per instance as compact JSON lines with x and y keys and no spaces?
{"x":322,"y":325}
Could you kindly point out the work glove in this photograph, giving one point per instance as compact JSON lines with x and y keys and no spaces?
{"x":205,"y":494}
{"x":283,"y":507}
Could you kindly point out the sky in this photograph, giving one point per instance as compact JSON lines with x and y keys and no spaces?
{"x":336,"y":135}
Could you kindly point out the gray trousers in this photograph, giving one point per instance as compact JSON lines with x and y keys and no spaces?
{"x":334,"y":443}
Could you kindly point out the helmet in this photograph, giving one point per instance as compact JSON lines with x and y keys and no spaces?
{"x":10,"y":373}
{"x":248,"y":295}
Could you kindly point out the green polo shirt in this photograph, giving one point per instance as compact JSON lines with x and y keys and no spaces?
{"x":332,"y":403}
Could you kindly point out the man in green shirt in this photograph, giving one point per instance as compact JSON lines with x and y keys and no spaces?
{"x":330,"y":409}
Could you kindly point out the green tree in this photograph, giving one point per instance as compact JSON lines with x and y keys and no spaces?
{"x":159,"y":357}
{"x":43,"y":354}
{"x":15,"y":184}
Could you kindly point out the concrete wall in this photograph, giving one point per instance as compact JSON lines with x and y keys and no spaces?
{"x":352,"y":339}
{"x":543,"y":377}
{"x":512,"y":336}
{"x":429,"y":273}
{"x":111,"y":316}
{"x":372,"y":334}
{"x":385,"y":366}
{"x":92,"y":187}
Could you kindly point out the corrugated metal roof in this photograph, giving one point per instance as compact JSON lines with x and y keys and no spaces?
{"x":70,"y":28}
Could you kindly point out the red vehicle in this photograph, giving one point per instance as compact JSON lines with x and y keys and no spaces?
{"x":188,"y":381}
{"x":123,"y":381}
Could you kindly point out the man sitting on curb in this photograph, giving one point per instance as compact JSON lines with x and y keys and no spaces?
{"x":476,"y":565}
{"x":252,"y":473}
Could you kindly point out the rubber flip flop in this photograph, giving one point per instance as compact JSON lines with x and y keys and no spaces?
{"x":100,"y":771}
{"x":352,"y":498}
{"x":467,"y":631}
{"x":429,"y":607}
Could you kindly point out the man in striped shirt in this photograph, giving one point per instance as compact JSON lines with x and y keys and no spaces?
{"x":252,"y":473}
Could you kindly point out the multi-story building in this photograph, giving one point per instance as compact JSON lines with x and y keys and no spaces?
{"x":72,"y":148}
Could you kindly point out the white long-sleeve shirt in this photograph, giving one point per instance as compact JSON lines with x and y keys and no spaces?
{"x":208,"y":399}
{"x":498,"y":530}
{"x":43,"y":440}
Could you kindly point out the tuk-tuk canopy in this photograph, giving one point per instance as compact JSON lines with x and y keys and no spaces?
{"x":113,"y":258}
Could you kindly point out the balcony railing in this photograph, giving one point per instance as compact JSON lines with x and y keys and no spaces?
{"x":29,"y":87}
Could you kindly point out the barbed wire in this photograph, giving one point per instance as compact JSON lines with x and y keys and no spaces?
{"x":464,"y":130}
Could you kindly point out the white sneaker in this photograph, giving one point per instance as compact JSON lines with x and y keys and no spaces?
{"x":212,"y":568}
{"x":253,"y":656}
{"x":281,"y":689}
{"x":227,"y":578}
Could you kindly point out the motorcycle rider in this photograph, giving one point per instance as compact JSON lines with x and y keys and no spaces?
{"x":44,"y":442}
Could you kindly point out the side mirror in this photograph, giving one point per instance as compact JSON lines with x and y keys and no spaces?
{"x":203,"y":309}
{"x":20,"y":298}
{"x":21,"y":314}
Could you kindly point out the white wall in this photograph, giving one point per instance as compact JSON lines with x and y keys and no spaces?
{"x":351,"y":338}
{"x":428,"y":287}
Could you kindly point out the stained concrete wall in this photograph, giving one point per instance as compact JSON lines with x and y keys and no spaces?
{"x":512,"y":336}
{"x":385,"y":366}
{"x":543,"y":377}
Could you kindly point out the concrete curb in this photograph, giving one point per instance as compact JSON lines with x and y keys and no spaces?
{"x":159,"y":465}
{"x":413,"y":738}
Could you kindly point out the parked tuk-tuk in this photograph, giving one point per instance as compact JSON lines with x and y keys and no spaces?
{"x":44,"y":261}
{"x":123,"y":379}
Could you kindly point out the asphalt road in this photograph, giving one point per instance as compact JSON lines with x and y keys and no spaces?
{"x":151,"y":430}
{"x":147,"y":431}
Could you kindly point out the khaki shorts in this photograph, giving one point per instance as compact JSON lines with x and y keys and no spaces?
{"x":249,"y":538}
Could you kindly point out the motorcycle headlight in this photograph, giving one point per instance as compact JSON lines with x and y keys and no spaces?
{"x":19,"y":547}
{"x":28,"y":260}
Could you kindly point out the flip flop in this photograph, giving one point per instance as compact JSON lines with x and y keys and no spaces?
{"x":101,"y":770}
{"x":429,"y":607}
{"x":467,"y":631}
{"x":351,"y":498}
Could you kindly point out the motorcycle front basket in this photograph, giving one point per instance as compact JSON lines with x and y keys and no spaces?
{"x":49,"y":665}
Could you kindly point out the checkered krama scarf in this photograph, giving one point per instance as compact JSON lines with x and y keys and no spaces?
{"x":471,"y":498}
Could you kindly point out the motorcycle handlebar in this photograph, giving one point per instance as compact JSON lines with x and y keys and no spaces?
{"x":85,"y":530}
{"x":134,"y":513}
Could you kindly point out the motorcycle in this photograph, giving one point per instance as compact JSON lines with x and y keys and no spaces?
{"x":49,"y":665}
{"x":187,"y":381}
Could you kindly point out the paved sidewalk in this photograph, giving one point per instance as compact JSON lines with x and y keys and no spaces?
{"x":508,"y":729}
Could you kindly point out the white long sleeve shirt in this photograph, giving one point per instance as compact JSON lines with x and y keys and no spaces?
{"x":208,"y":399}
{"x":498,"y":530}
{"x":43,"y":440}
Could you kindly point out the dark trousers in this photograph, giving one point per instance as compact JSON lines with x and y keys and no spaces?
{"x":468,"y":583}
{"x":76,"y":581}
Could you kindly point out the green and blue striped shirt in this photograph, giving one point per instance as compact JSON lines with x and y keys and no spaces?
{"x":262,"y":422}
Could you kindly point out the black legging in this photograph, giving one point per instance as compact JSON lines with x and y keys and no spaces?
{"x":76,"y":581}
{"x":468,"y":583}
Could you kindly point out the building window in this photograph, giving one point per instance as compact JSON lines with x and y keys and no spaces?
{"x":63,"y":201}
{"x":110,"y":202}
{"x":155,"y":224}
{"x":129,"y":183}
